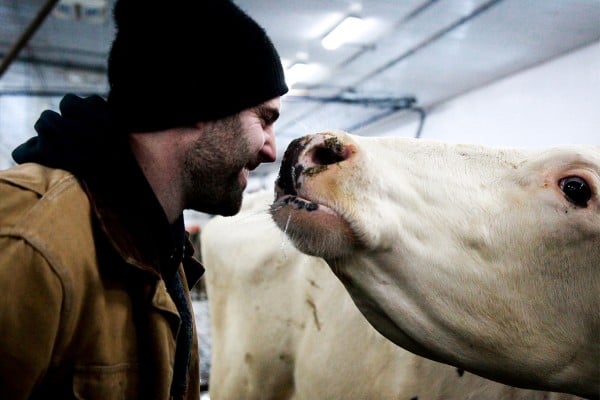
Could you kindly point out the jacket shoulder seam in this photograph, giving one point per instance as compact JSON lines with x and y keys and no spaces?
{"x":55,"y":265}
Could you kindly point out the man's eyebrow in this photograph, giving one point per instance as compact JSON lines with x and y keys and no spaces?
{"x":268,"y":113}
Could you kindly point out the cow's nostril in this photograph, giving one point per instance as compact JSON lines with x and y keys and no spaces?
{"x":328,"y":155}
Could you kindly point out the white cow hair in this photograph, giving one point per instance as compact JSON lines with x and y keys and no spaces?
{"x":466,"y":254}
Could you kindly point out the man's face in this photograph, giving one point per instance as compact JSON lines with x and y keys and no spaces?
{"x":217,"y":164}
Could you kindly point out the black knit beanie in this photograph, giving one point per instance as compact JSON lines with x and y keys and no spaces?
{"x":174,"y":63}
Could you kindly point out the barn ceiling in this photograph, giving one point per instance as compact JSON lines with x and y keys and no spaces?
{"x":415,"y":53}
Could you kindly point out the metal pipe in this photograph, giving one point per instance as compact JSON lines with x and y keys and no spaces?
{"x":47,"y":92}
{"x":22,"y":41}
{"x":94,"y":68}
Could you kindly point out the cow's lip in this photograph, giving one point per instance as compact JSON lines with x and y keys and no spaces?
{"x":315,"y":228}
{"x":302,"y":203}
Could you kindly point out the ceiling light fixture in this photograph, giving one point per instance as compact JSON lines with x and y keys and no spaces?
{"x":298,"y":72}
{"x":91,"y":11}
{"x":350,"y":29}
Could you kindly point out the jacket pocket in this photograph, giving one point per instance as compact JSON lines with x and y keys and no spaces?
{"x":106,"y":382}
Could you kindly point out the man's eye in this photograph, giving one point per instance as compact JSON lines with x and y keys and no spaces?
{"x":267,"y":120}
{"x":267,"y":116}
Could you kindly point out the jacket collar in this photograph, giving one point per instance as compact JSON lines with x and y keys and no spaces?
{"x":134,"y":222}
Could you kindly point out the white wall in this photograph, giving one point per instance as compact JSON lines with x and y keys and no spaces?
{"x":557,"y":102}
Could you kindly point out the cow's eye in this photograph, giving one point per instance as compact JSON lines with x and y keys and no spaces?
{"x":576,"y":189}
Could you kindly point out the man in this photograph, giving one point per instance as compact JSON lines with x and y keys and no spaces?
{"x":95,"y":267}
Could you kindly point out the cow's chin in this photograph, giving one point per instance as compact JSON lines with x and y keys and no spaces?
{"x":314,"y":229}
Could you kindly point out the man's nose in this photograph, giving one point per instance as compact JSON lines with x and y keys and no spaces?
{"x":269,"y":150}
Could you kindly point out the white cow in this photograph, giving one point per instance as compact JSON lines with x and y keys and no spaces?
{"x":283,"y":327}
{"x":487,"y":259}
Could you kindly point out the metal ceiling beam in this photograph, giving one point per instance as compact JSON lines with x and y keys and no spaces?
{"x":397,"y":103}
{"x":22,"y":41}
{"x":96,"y":68}
{"x":428,"y":41}
{"x":47,"y":92}
{"x":438,"y":35}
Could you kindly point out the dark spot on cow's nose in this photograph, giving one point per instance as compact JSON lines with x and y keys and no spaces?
{"x":330,"y":152}
{"x":326,"y":156}
{"x":311,"y":206}
{"x":288,"y":172}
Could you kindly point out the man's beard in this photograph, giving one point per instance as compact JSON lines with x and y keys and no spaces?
{"x":212,"y":169}
{"x":222,"y":196}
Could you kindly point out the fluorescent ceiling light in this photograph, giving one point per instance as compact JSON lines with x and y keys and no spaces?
{"x":350,"y":29}
{"x":92,"y":11}
{"x":298,"y":72}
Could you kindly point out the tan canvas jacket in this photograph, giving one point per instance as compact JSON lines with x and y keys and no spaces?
{"x":83,"y":311}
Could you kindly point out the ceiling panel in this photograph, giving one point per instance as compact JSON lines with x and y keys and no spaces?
{"x":506,"y":38}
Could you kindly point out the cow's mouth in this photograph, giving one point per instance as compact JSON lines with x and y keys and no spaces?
{"x":304,"y":208}
{"x":300,"y":203}
{"x":314,"y":228}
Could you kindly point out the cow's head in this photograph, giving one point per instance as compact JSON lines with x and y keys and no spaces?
{"x":480,"y":257}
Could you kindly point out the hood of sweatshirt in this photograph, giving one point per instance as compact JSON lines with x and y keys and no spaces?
{"x":80,"y":139}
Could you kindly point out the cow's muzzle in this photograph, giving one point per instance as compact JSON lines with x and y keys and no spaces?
{"x":308,"y":156}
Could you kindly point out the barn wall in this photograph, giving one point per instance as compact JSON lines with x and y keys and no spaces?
{"x":553,"y":103}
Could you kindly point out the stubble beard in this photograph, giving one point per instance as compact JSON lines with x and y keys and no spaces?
{"x":212,"y":169}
